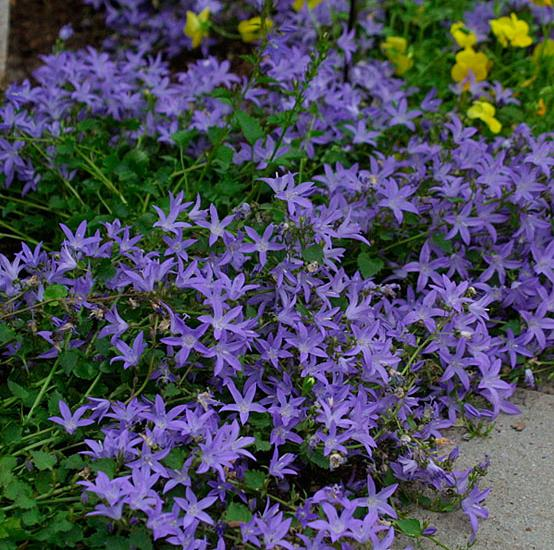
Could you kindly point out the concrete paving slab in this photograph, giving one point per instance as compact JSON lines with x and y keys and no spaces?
{"x":521,"y":474}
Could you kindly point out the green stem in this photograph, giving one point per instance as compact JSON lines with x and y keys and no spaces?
{"x":42,"y":391}
{"x":29,"y":308}
{"x":189,"y":169}
{"x":34,"y":205}
{"x":404,"y":241}
{"x":91,"y":387}
{"x":416,"y":353}
{"x":281,"y":501}
{"x":437,"y":542}
{"x":96,"y":172}
{"x":18,"y":234}
{"x":62,"y":499}
{"x":224,"y":33}
{"x":66,"y":182}
{"x":41,"y":432}
{"x":35,"y":445}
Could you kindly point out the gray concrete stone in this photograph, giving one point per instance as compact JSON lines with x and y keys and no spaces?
{"x":4,"y":32}
{"x":521,"y":474}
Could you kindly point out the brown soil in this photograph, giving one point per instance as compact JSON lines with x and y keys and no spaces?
{"x":34,"y":27}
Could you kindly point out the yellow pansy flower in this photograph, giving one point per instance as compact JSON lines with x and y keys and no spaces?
{"x":251,"y":29}
{"x":402,"y":63}
{"x":542,"y":3}
{"x":484,"y":111}
{"x":395,"y":47}
{"x":511,"y":31}
{"x":462,"y":35}
{"x":541,"y":107}
{"x":469,"y":61}
{"x":543,"y":49}
{"x":298,"y":5}
{"x":196,"y":27}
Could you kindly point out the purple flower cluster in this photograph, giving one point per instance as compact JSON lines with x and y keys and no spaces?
{"x":289,"y":364}
{"x":74,"y":86}
{"x":283,"y":357}
{"x":137,"y":85}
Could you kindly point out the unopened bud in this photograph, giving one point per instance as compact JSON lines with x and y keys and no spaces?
{"x":336,"y":460}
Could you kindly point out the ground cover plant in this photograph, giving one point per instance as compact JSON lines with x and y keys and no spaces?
{"x":257,"y":257}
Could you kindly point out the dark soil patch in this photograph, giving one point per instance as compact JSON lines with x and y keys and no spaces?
{"x":34,"y":28}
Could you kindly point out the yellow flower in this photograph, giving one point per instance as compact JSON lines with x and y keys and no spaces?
{"x":511,"y":31}
{"x":484,"y":111}
{"x":197,"y":27}
{"x":542,"y":3}
{"x":251,"y":29}
{"x":541,"y":107}
{"x":395,"y":47}
{"x":462,"y":35}
{"x":543,"y":49}
{"x":402,"y":63}
{"x":298,"y":5}
{"x":469,"y":61}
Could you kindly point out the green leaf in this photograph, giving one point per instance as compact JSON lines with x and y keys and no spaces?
{"x":368,"y":265}
{"x":106,"y":465}
{"x":43,"y":481}
{"x":85,"y":370}
{"x":31,"y":517}
{"x":260,"y":420}
{"x":314,"y":456}
{"x":261,"y":444}
{"x":410,"y":527}
{"x":8,"y":528}
{"x":171,"y":390}
{"x":7,"y":464}
{"x":216,"y":134}
{"x":43,"y":460}
{"x":313,"y":253}
{"x":69,"y":359}
{"x":307,"y":385}
{"x":140,"y":539}
{"x":59,"y":524}
{"x":22,"y":393}
{"x":138,"y":161}
{"x":106,"y":270}
{"x":221,"y":92}
{"x":10,"y":433}
{"x":6,"y":334}
{"x":175,"y":459}
{"x":439,"y":240}
{"x":55,"y":292}
{"x":236,"y":514}
{"x":254,"y":479}
{"x":290,"y":157}
{"x":74,"y":361}
{"x":514,"y":325}
{"x":21,"y":493}
{"x":250,"y":127}
{"x":73,"y":462}
{"x":224,"y":156}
